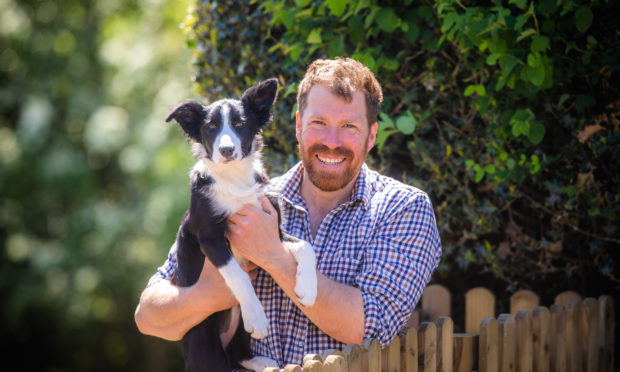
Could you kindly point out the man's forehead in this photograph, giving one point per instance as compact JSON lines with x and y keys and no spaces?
{"x":322,"y":101}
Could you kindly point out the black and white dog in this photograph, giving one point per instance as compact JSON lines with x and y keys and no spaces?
{"x":226,"y":140}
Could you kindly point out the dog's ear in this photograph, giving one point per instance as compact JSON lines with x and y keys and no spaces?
{"x":190,"y":115}
{"x":261,"y":97}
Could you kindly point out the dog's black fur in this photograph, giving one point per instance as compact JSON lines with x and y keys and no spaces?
{"x":202,"y":231}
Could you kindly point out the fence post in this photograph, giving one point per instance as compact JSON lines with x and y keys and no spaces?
{"x":390,"y":357}
{"x":557,"y":341}
{"x":479,"y":304}
{"x":427,"y":347}
{"x":540,"y":338}
{"x":590,"y":307}
{"x":487,"y":357}
{"x":435,"y":302}
{"x":523,"y":299}
{"x":507,"y":350}
{"x":408,"y":350}
{"x":292,"y":368}
{"x":445,"y":331}
{"x":371,"y":355}
{"x":524,"y":341}
{"x":465,"y":352}
{"x":606,"y":333}
{"x":353,"y":356}
{"x":574,"y":336}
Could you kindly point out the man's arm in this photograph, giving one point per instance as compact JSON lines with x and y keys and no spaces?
{"x":338,"y":310}
{"x":168,"y":311}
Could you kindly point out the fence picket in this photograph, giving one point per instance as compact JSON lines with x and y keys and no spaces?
{"x":507,"y":345}
{"x":292,"y":368}
{"x":390,"y":357}
{"x":523,"y":300}
{"x":353,"y":356}
{"x":606,"y":333}
{"x":445,"y":331}
{"x":465,"y":352}
{"x":590,"y":310}
{"x":408,"y":350}
{"x":334,"y":363}
{"x":524,"y":341}
{"x":371,"y":355}
{"x":557,"y":341}
{"x":435,"y":303}
{"x":540,"y":338}
{"x":312,"y":365}
{"x":427,"y":347}
{"x":479,"y":304}
{"x":567,"y":296}
{"x":574,"y":336}
{"x":487,"y":359}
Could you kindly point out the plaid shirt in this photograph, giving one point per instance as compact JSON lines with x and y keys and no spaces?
{"x":383,"y":240}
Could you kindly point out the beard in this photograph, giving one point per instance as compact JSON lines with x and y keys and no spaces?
{"x":334,"y":180}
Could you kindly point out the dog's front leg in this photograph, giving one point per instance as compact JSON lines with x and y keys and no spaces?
{"x":252,"y":313}
{"x":305,"y":281}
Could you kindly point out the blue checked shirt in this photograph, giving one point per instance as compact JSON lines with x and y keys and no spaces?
{"x":383,"y":240}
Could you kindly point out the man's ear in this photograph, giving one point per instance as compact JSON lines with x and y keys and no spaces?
{"x":372,"y":136}
{"x":260,"y":98}
{"x":298,"y":125}
{"x":190,"y":116}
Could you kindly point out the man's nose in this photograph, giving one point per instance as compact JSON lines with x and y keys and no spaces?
{"x":332,"y":137}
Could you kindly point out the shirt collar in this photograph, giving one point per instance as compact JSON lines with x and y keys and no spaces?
{"x":292,"y":185}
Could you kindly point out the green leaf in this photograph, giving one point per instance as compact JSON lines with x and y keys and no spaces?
{"x":315,"y":37}
{"x":492,"y":59}
{"x":489,"y":168}
{"x":413,"y":33}
{"x":584,"y":101}
{"x":337,"y":7}
{"x":583,"y":19}
{"x":526,"y":33}
{"x":507,"y":62}
{"x":536,"y":132}
{"x":471,"y":89}
{"x":479,"y":173}
{"x":387,"y":20}
{"x":539,"y":43}
{"x":406,"y":123}
{"x":302,"y":3}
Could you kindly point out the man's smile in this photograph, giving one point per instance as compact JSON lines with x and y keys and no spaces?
{"x":326,"y":160}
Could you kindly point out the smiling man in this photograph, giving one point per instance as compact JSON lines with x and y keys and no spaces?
{"x":376,"y":240}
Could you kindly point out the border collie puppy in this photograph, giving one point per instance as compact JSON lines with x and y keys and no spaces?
{"x":226,"y":140}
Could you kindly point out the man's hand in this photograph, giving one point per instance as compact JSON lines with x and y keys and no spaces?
{"x":254,"y":232}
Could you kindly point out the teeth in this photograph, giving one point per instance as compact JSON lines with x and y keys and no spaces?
{"x":330,"y":161}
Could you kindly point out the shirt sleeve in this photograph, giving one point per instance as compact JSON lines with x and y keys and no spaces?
{"x":165,"y":271}
{"x":397,"y":266}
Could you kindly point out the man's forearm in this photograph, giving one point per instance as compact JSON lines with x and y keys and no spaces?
{"x":338,"y":310}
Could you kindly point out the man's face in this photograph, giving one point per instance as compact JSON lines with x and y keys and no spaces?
{"x":334,"y":137}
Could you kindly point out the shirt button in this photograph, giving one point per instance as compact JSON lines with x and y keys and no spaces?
{"x":300,"y":343}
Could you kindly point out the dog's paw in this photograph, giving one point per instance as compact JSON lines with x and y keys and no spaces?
{"x":306,"y":286}
{"x":255,"y":323}
{"x":259,"y":363}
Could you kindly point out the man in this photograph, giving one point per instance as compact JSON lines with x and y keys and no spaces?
{"x":375,"y":239}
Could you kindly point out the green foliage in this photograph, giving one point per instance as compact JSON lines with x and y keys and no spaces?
{"x":504,"y":112}
{"x":93,"y":183}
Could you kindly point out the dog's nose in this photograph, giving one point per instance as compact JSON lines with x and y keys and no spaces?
{"x":227,"y":151}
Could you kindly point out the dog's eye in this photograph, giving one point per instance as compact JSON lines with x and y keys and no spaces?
{"x":211,"y":126}
{"x":239,"y":124}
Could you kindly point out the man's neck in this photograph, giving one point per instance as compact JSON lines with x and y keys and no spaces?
{"x":320,"y":202}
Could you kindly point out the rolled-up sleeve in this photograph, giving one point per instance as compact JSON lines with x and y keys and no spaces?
{"x":165,"y":271}
{"x":397,"y":265}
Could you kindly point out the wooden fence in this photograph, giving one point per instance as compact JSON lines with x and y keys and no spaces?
{"x":571,"y":335}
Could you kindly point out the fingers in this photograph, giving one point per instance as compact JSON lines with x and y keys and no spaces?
{"x":266,"y":205}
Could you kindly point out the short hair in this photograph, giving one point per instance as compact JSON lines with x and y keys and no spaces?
{"x":343,"y":77}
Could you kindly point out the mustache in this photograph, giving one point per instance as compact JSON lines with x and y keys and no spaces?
{"x":338,"y":151}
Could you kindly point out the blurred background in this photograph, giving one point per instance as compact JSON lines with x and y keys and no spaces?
{"x":505,"y":113}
